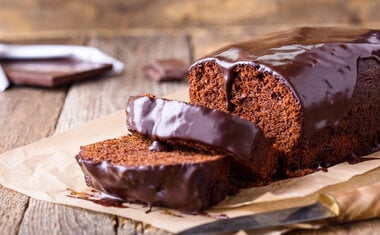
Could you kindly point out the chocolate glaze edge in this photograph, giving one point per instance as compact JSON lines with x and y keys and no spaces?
{"x":195,"y":187}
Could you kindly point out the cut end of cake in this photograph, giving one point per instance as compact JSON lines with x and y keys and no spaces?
{"x":133,"y":151}
{"x":254,"y":94}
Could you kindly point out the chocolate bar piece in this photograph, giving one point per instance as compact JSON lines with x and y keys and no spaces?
{"x":166,"y":70}
{"x":52,"y":72}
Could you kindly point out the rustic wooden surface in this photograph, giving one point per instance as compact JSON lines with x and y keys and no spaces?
{"x":28,"y":114}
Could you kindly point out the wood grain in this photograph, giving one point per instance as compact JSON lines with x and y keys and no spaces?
{"x":12,"y":208}
{"x":127,"y":226}
{"x":48,"y":218}
{"x":26,"y":115}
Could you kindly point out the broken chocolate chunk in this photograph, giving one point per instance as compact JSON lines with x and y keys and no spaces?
{"x":166,"y":70}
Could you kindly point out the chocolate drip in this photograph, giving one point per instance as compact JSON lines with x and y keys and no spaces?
{"x":97,"y":198}
{"x":321,"y":168}
{"x":228,"y":86}
{"x":318,"y":65}
{"x":227,"y":71}
{"x":158,"y":146}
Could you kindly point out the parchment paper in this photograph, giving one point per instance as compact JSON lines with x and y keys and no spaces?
{"x":46,"y":169}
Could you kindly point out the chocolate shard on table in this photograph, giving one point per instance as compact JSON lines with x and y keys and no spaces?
{"x":166,"y":70}
{"x":314,"y":90}
{"x":52,"y":72}
{"x":178,"y":123}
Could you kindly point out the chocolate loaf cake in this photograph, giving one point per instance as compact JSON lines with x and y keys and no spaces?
{"x":189,"y":181}
{"x":178,"y":123}
{"x":314,"y":90}
{"x":282,"y":106}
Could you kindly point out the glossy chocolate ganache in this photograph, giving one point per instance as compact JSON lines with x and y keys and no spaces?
{"x":314,"y":90}
{"x":306,"y":59}
{"x":179,"y":123}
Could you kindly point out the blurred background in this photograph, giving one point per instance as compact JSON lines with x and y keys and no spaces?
{"x":210,"y":24}
{"x":32,"y":16}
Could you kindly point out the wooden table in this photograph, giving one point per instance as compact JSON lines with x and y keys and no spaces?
{"x":28,"y":114}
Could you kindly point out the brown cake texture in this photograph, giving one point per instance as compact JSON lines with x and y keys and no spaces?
{"x":177,"y":123}
{"x":187,"y":180}
{"x":314,"y":90}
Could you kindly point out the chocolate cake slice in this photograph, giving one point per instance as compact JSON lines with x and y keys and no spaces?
{"x":189,"y":181}
{"x":179,"y":123}
{"x":314,"y":90}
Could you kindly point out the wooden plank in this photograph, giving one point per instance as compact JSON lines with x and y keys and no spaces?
{"x":49,"y":218}
{"x":127,"y":227}
{"x":26,"y":114}
{"x":91,"y":99}
{"x":12,"y":208}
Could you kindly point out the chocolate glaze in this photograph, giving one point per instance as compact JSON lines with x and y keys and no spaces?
{"x":97,"y":198}
{"x":159,"y":146}
{"x":166,"y":70}
{"x":188,"y":187}
{"x":318,"y":64}
{"x":168,"y":119}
